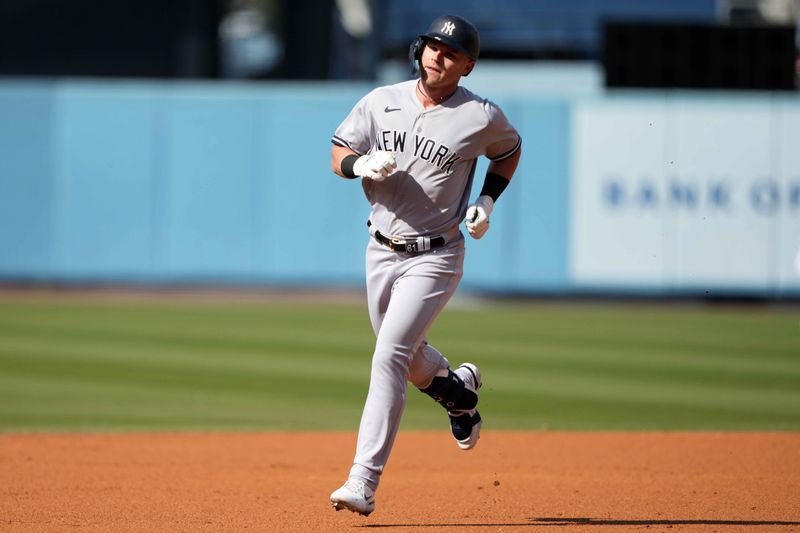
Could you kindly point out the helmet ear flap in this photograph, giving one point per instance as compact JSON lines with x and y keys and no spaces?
{"x":415,"y":54}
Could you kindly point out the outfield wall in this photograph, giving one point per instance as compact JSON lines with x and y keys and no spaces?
{"x":144,"y":182}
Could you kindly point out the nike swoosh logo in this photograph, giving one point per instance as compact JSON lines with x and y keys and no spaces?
{"x":388,"y":109}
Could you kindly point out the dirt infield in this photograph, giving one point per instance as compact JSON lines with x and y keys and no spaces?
{"x":536,"y":481}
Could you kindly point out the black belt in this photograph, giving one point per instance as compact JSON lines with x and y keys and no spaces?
{"x":413,"y":245}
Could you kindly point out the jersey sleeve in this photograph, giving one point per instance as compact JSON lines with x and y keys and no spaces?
{"x":354,"y":131}
{"x":503,"y":140}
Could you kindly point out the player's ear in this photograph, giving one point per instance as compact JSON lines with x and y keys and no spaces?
{"x":469,"y":67}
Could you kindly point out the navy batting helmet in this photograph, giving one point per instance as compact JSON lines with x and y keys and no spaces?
{"x":452,"y":30}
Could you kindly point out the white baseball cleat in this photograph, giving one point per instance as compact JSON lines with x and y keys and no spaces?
{"x":355,"y":495}
{"x":466,"y":425}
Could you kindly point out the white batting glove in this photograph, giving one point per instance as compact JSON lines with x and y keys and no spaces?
{"x":375,"y":166}
{"x":477,"y":220}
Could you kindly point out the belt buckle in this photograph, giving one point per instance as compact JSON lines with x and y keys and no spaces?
{"x":410,"y":247}
{"x":397,"y":243}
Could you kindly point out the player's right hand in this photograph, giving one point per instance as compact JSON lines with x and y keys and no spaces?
{"x":375,"y":166}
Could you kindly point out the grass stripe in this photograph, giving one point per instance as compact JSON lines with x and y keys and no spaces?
{"x":75,"y":364}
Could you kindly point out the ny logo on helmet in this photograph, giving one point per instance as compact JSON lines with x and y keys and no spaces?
{"x":448,"y":28}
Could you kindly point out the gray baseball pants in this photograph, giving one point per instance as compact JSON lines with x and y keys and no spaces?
{"x":405,"y":294}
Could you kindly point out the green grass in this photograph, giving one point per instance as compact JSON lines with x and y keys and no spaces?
{"x":90,"y":364}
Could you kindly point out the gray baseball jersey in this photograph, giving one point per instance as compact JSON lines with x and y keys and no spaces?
{"x":436,"y":151}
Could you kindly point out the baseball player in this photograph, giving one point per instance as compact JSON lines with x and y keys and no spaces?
{"x":415,"y":145}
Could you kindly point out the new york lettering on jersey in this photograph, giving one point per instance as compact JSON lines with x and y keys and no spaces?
{"x":425,"y":148}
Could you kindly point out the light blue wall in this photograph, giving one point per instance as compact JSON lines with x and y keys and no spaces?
{"x":27,"y":200}
{"x":163,"y":182}
{"x":103,"y":181}
{"x":196,"y":183}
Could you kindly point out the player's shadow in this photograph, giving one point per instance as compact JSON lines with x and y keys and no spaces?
{"x":585,"y":522}
{"x":656,"y":522}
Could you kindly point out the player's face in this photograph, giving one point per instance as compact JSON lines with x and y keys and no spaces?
{"x":443,"y":65}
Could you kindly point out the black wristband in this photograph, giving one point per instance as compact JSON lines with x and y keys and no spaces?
{"x":347,"y":166}
{"x":494,"y":185}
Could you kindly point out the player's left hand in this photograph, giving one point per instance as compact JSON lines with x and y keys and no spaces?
{"x":375,"y":166}
{"x":477,"y":220}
